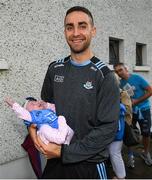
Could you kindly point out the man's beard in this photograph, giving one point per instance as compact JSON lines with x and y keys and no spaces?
{"x":80,"y":50}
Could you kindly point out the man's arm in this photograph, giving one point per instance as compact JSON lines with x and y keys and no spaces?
{"x":148,"y":93}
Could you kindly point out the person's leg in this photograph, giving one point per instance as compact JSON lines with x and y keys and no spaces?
{"x":131,"y":158}
{"x":146,"y":144}
{"x":69,"y":136}
{"x":145,"y":126}
{"x":145,"y":154}
{"x":55,"y":169}
{"x":116,"y":159}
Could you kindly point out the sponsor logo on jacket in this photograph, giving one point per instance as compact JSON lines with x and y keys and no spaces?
{"x":58,"y":78}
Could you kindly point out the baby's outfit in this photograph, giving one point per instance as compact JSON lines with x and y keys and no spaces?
{"x":51,"y":128}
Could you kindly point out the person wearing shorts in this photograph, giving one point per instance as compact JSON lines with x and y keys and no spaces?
{"x":140,"y":91}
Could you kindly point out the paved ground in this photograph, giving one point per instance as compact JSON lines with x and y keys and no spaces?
{"x":141,"y":170}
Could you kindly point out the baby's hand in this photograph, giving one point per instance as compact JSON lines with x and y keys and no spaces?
{"x":9,"y":101}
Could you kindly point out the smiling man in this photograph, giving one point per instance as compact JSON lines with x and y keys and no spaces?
{"x":86,"y":92}
{"x":79,"y":30}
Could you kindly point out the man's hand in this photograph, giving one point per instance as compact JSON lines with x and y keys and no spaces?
{"x":134,"y":101}
{"x":50,"y":150}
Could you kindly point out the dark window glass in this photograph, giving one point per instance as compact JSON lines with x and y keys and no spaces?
{"x":139,"y":60}
{"x":113,"y":51}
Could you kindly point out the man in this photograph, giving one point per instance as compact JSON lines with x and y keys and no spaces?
{"x":85,"y":91}
{"x":140,"y":91}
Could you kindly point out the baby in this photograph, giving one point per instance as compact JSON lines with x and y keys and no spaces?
{"x":51,"y":128}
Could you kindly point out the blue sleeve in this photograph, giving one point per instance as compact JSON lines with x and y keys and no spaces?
{"x":143,"y":82}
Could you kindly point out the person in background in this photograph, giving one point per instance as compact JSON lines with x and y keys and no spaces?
{"x":126,"y":100}
{"x":86,"y":93}
{"x":140,"y":91}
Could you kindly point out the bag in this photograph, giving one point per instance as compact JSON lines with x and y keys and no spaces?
{"x":131,"y":135}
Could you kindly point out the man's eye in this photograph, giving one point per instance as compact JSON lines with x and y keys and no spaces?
{"x":69,"y":28}
{"x":82,"y":27}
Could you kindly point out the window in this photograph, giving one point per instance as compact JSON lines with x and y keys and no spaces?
{"x":140,"y":54}
{"x":115,"y":50}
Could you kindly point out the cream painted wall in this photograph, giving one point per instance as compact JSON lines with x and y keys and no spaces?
{"x":31,"y":36}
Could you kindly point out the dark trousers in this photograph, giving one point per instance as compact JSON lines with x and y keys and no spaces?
{"x":55,"y":169}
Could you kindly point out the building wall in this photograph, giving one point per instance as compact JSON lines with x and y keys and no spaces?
{"x":31,"y":36}
{"x":18,"y":169}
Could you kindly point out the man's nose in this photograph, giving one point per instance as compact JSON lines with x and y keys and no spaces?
{"x":76,"y":31}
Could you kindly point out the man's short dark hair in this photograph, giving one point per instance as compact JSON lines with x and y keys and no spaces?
{"x":81,"y":9}
{"x":118,"y":64}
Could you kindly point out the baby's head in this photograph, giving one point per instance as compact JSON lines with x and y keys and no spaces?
{"x":33,"y":104}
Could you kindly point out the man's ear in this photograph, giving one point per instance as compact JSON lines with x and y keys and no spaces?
{"x":93,"y":31}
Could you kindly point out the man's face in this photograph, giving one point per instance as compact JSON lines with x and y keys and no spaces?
{"x":36,"y":105}
{"x":121,"y":71}
{"x":79,"y":31}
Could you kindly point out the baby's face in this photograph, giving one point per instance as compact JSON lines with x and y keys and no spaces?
{"x":36,"y":105}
